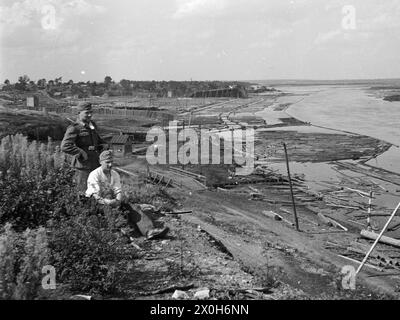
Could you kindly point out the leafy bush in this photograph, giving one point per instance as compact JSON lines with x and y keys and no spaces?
{"x":84,"y":246}
{"x":97,"y":258}
{"x":22,"y":256}
{"x":35,"y":257}
{"x":8,"y":262}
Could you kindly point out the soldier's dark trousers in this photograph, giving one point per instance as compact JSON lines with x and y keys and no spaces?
{"x":81,"y":177}
{"x":138,"y":219}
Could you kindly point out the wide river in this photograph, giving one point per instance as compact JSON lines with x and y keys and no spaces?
{"x":354,"y":109}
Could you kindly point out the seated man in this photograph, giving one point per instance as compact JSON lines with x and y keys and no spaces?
{"x":104,"y":184}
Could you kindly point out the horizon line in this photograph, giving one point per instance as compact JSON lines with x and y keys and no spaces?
{"x":235,"y":80}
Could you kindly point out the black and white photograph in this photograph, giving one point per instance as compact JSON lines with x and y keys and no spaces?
{"x":199,"y":155}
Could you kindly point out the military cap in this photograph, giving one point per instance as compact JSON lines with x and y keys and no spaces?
{"x":106,"y":155}
{"x":83,"y":106}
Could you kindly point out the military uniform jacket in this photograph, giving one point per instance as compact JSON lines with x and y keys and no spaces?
{"x":80,"y":137}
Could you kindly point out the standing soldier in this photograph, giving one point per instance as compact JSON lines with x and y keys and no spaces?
{"x":84,"y":144}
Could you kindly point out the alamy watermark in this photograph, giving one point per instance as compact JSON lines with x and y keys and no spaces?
{"x":49,"y":280}
{"x":178,"y":145}
{"x":48,"y":17}
{"x":349,"y":21}
{"x":349,"y":278}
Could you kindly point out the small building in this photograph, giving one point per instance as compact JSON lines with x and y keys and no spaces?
{"x":32,"y":102}
{"x":255,"y":87}
{"x":121,"y":145}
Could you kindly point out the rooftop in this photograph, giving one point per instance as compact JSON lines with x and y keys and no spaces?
{"x":120,"y":139}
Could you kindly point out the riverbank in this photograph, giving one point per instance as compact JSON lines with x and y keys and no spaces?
{"x":315,"y":150}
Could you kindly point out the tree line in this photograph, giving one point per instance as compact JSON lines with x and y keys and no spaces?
{"x":58,"y":88}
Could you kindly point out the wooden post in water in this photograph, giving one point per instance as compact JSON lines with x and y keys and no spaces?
{"x":291,"y":188}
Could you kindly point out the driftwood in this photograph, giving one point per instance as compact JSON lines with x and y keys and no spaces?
{"x":360,"y":192}
{"x":395,"y":227}
{"x":310,"y":221}
{"x":301,"y":218}
{"x":324,"y":219}
{"x":359,"y":262}
{"x":281,"y":202}
{"x":384,"y":239}
{"x":284,"y":210}
{"x":371,"y":215}
{"x":254,"y":189}
{"x":222,"y":189}
{"x":330,"y":204}
{"x":306,"y":199}
{"x":338,"y":225}
{"x":362,"y":249}
{"x":176,"y":212}
{"x":277,"y":217}
{"x":331,"y":222}
{"x":359,"y":223}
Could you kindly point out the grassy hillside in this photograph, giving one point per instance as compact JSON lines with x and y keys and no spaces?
{"x":33,"y":124}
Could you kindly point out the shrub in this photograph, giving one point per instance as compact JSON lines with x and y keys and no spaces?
{"x":35,"y":257}
{"x":22,"y":257}
{"x":8,"y":262}
{"x":83,"y":245}
{"x":96,"y":259}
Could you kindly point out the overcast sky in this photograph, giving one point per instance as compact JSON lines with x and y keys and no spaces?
{"x":199,"y":39}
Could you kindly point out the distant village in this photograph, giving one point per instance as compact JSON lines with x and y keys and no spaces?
{"x":59,"y":89}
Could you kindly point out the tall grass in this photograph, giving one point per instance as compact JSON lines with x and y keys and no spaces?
{"x":32,"y":177}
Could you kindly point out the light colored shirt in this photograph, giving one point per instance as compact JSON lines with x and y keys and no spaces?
{"x":101,"y":187}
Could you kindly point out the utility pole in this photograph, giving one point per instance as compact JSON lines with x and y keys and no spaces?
{"x":291,"y":188}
